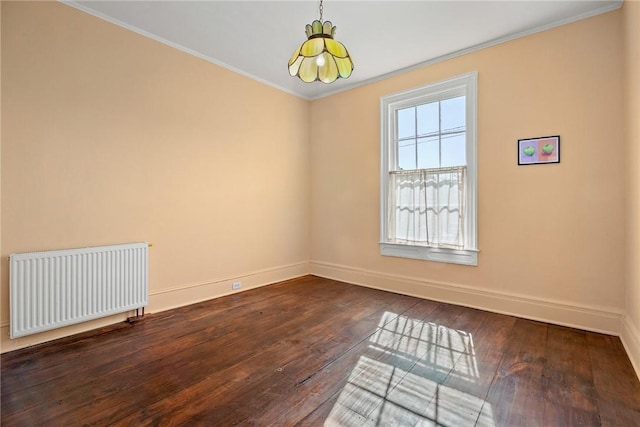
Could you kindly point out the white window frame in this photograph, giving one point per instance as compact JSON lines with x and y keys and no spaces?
{"x":466,"y":85}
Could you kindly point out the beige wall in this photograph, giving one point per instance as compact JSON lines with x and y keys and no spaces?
{"x":551,"y":237}
{"x":631,"y":330}
{"x":110,"y":137}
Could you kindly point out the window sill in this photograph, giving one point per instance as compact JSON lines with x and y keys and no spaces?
{"x":426,"y":253}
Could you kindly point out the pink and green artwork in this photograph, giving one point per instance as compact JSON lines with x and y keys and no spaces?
{"x":544,"y":149}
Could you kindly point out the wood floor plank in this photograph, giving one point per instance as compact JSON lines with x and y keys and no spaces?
{"x":315,"y":351}
{"x":567,"y":378}
{"x":515,"y":396}
{"x":618,"y":396}
{"x":488,"y":343}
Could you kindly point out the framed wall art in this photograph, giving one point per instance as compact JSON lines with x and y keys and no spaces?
{"x":535,"y":151}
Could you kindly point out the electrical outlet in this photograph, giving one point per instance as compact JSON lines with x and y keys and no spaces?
{"x":236,"y":285}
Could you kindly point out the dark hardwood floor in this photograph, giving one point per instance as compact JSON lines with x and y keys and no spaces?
{"x":315,"y":352}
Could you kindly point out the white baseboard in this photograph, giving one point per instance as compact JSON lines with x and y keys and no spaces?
{"x":7,"y":344}
{"x":197,"y":292}
{"x":630,"y":337}
{"x":597,"y":319}
{"x":165,"y":299}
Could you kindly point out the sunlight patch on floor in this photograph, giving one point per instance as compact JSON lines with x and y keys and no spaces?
{"x":401,"y":381}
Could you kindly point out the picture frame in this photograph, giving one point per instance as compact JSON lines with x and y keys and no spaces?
{"x":540,"y":150}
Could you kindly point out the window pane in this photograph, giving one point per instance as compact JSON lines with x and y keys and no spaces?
{"x":428,"y":119}
{"x":453,"y":114}
{"x":428,"y":153}
{"x":407,"y":155}
{"x":453,"y":150}
{"x":429,"y":208}
{"x":406,"y":123}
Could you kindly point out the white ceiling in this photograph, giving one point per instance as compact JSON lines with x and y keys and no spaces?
{"x":257,"y":38}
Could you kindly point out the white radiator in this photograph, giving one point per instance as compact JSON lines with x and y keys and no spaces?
{"x":52,"y":289}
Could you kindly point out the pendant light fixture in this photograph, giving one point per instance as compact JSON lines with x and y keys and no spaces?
{"x":320,"y":57}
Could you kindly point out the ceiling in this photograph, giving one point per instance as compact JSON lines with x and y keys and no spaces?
{"x":257,"y":38}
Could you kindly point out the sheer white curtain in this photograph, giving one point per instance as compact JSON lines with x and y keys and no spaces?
{"x":426,"y":207}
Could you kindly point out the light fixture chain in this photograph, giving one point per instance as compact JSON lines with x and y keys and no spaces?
{"x":321,"y":7}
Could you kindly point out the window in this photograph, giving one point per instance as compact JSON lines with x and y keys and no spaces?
{"x":428,"y":190}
